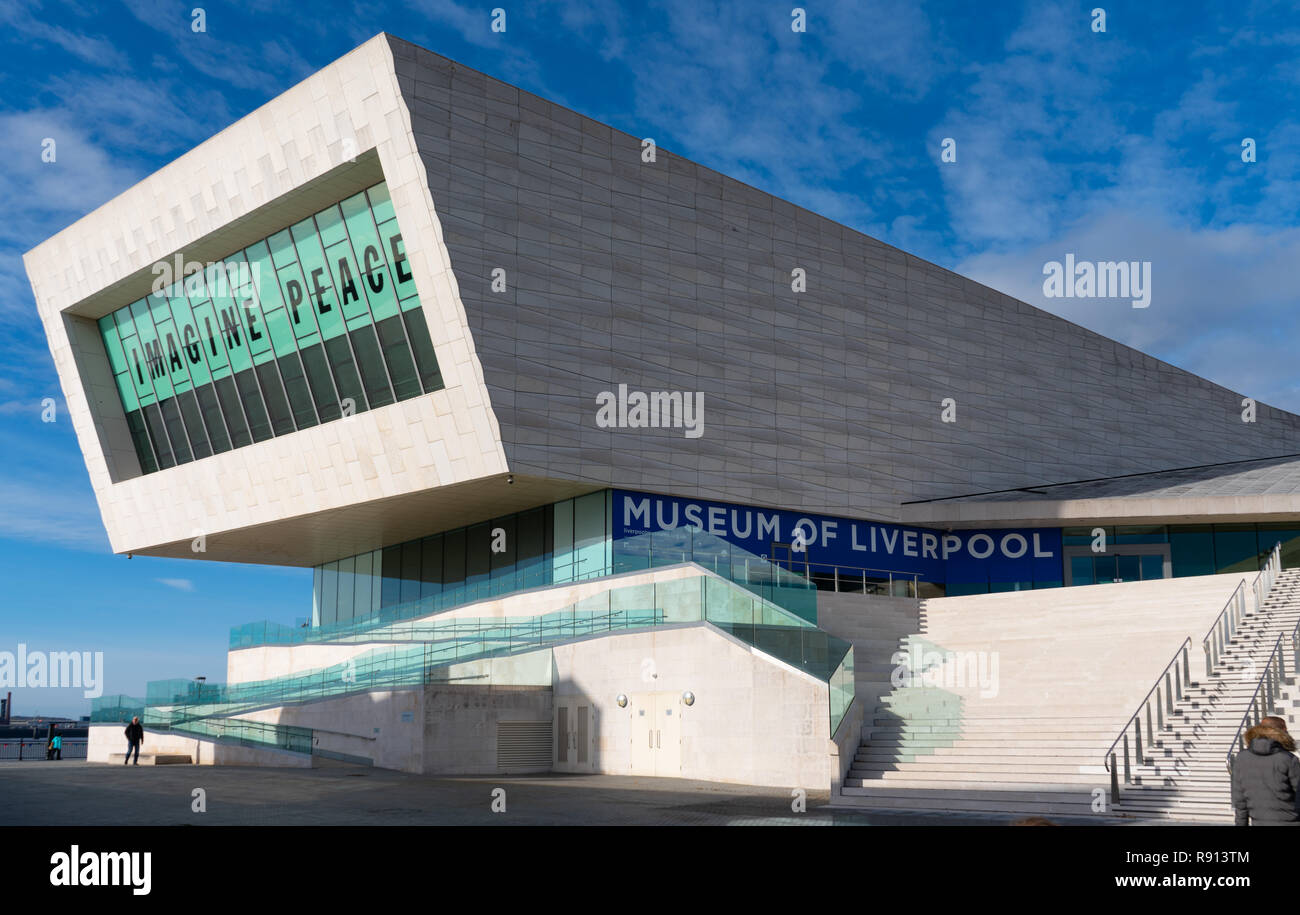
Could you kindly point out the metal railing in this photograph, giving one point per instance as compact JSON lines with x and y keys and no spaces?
{"x":247,"y":733}
{"x":1225,"y":626}
{"x":821,"y":576}
{"x":1263,"y":701}
{"x":34,"y":748}
{"x":789,"y":581}
{"x":541,"y":575}
{"x":1165,"y":695}
{"x":417,"y":651}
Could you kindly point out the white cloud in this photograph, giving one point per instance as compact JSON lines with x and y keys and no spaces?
{"x":245,"y":61}
{"x":180,"y":584}
{"x":81,"y":177}
{"x":90,"y":48}
{"x":742,"y":93}
{"x":1223,"y":299}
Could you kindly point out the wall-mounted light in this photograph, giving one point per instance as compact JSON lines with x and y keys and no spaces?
{"x":688,"y":698}
{"x":621,"y":700}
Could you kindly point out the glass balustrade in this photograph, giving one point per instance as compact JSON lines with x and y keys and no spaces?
{"x":420,"y":646}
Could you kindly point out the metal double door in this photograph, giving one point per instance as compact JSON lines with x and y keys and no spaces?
{"x":656,"y":733}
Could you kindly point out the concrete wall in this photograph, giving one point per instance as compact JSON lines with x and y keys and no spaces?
{"x":266,"y":661}
{"x":845,"y":743}
{"x":460,"y":723}
{"x":384,"y":726}
{"x":671,"y":276}
{"x":875,"y":625}
{"x":755,"y":720}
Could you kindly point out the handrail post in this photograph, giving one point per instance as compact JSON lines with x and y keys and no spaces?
{"x":1114,"y":781}
{"x":1160,"y":709}
{"x":1128,"y":776}
{"x":1137,"y":739}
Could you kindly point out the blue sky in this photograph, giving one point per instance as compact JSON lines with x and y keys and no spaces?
{"x":1117,"y":145}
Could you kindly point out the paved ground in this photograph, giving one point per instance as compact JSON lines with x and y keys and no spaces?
{"x":68,"y":793}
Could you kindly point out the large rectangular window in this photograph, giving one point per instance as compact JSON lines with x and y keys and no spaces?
{"x":530,"y":549}
{"x":314,"y":322}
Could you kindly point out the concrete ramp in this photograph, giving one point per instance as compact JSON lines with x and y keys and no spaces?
{"x":106,"y":745}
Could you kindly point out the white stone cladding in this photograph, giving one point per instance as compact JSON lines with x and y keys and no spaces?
{"x":349,"y":108}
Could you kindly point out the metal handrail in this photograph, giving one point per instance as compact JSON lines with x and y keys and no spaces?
{"x":1108,"y":760}
{"x":800,"y":569}
{"x":395,"y":613}
{"x":1214,"y":643}
{"x":1270,"y":684}
{"x":1225,"y":625}
{"x":1224,"y":628}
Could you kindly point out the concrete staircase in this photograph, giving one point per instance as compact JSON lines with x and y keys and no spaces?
{"x":875,"y":625}
{"x":1185,"y":775}
{"x":1062,"y":671}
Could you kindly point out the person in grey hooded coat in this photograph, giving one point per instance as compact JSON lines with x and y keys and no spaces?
{"x":1266,"y":777}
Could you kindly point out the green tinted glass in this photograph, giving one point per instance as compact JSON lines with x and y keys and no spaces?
{"x":239,"y":340}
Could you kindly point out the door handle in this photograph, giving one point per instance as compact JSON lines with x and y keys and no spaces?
{"x":658,"y":744}
{"x":650,"y":739}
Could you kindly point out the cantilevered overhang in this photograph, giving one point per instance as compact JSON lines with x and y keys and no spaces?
{"x":1262,"y":490}
{"x":314,"y":538}
{"x":316,"y":494}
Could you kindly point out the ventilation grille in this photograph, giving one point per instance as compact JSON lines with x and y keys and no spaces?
{"x":523,"y":746}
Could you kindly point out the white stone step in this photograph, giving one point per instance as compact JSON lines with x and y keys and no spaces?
{"x":954,"y":749}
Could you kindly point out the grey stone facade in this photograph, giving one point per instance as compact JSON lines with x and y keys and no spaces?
{"x":670,"y":276}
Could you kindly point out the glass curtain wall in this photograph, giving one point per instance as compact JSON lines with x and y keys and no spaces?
{"x":1199,"y":549}
{"x":315,"y":322}
{"x":564,"y":542}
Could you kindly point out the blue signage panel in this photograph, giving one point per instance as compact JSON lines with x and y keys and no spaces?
{"x":965,"y":556}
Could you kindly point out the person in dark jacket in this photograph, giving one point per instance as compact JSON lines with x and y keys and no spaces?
{"x":1266,"y":777}
{"x":134,"y":737}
